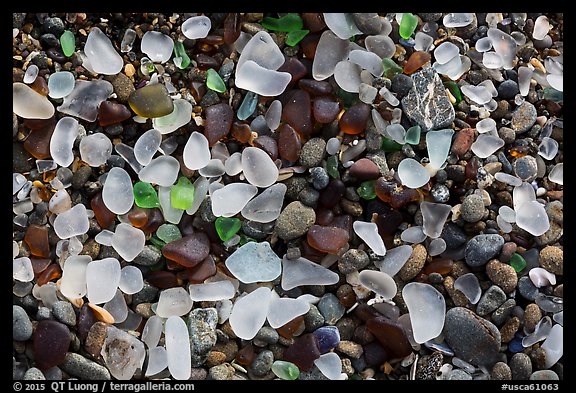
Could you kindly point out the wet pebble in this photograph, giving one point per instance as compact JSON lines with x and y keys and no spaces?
{"x":353,"y":260}
{"x":521,"y":366}
{"x":21,"y":325}
{"x":294,"y":221}
{"x":472,"y":209}
{"x":330,"y":308}
{"x":312,"y":152}
{"x":552,"y":259}
{"x":64,"y":312}
{"x":500,"y":372}
{"x":523,"y":117}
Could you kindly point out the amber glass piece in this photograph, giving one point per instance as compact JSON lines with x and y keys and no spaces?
{"x":151,"y":101}
{"x":43,"y":191}
{"x":315,"y":88}
{"x":246,"y":355}
{"x":325,"y":109}
{"x":333,"y":193}
{"x":198,"y":89}
{"x":303,"y":351}
{"x":353,"y":121}
{"x":289,"y":144}
{"x":155,"y":219}
{"x":416,"y":60}
{"x":327,"y":239}
{"x":309,"y":45}
{"x":290,"y":328}
{"x":471,"y":168}
{"x":218,"y":122}
{"x":241,"y":132}
{"x":112,"y":113}
{"x":37,"y":240}
{"x":39,"y":265}
{"x":189,"y":250}
{"x":294,"y":67}
{"x":393,"y":193}
{"x":268,"y":144}
{"x":388,"y":222}
{"x":40,"y":86}
{"x":365,"y":169}
{"x":38,"y":141}
{"x":519,"y":151}
{"x":231,"y":27}
{"x":103,"y":215}
{"x":344,"y":221}
{"x":212,"y":39}
{"x":51,"y":343}
{"x":206,"y":62}
{"x":138,"y":217}
{"x":365,"y":312}
{"x":200,"y":272}
{"x":391,"y":335}
{"x":36,"y":124}
{"x":51,"y":273}
{"x":86,"y":319}
{"x":297,"y":112}
{"x":162,"y":279}
{"x":311,"y":253}
{"x":313,"y":21}
{"x":439,"y":265}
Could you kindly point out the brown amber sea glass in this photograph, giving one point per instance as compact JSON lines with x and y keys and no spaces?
{"x":219,"y":119}
{"x":188,"y":251}
{"x":327,"y":239}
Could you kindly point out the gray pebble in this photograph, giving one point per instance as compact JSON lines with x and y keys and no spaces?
{"x":221,"y":372}
{"x":503,"y":312}
{"x":368,"y":23}
{"x":147,"y":294}
{"x":508,"y":135}
{"x":202,"y":330}
{"x":544,"y":375}
{"x":527,"y":289}
{"x":500,"y":372}
{"x":353,"y":260}
{"x":64,"y":312}
{"x":309,"y":196}
{"x":262,"y":363}
{"x":508,"y":89}
{"x":458,"y":374}
{"x":453,"y":235}
{"x":472,"y":209}
{"x":319,"y":177}
{"x":294,"y":221}
{"x":44,"y":313}
{"x":53,"y":25}
{"x":481,"y":248}
{"x":435,"y":278}
{"x":312,"y":152}
{"x":440,"y":193}
{"x":523,"y":117}
{"x":331,"y":308}
{"x":257,"y":230}
{"x":21,"y":325}
{"x":428,"y":366}
{"x":82,"y":368}
{"x":266,"y":335}
{"x":50,"y":40}
{"x":312,"y":375}
{"x":521,"y":366}
{"x":22,"y":161}
{"x":294,"y":185}
{"x":34,"y":374}
{"x":526,"y":168}
{"x":493,"y":298}
{"x":430,"y":16}
{"x":472,"y":338}
{"x":313,"y":319}
{"x":80,"y":177}
{"x":401,"y":85}
{"x":149,"y":256}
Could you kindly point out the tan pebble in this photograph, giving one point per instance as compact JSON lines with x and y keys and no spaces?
{"x":536,"y":63}
{"x":502,"y":275}
{"x":414,"y":264}
{"x":214,"y":358}
{"x":509,"y":329}
{"x":101,"y":314}
{"x":552,"y":259}
{"x":459,"y":299}
{"x":532,"y":315}
{"x":459,"y":268}
{"x":129,"y":70}
{"x":96,"y":338}
{"x":350,"y":348}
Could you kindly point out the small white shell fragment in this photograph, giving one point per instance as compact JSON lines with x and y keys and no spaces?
{"x":541,"y":277}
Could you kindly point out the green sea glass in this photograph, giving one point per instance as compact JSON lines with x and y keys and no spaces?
{"x":145,"y":195}
{"x":227,"y":227}
{"x":182,"y":194}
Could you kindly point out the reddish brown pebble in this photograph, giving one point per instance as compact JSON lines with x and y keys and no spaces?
{"x":313,"y":21}
{"x":241,"y":132}
{"x":345,"y":222}
{"x":96,"y":338}
{"x":112,"y":113}
{"x":37,"y":142}
{"x":218,"y":122}
{"x":38,"y":124}
{"x":86,"y":319}
{"x":311,"y":253}
{"x":327,"y":239}
{"x":39,"y":265}
{"x":103,"y":215}
{"x":294,"y":67}
{"x":212,"y":39}
{"x":416,"y":61}
{"x":40,"y":86}
{"x":462,"y":141}
{"x":375,"y":354}
{"x":471,"y":168}
{"x":315,"y":88}
{"x":303,"y":351}
{"x":324,"y":216}
{"x":51,"y":273}
{"x":188,"y":251}
{"x":365,"y":312}
{"x":289,"y":144}
{"x":162,"y":279}
{"x":388,"y":222}
{"x":297,"y":112}
{"x":394,"y":194}
{"x":268,"y":144}
{"x":51,"y":343}
{"x":200,"y":272}
{"x":291,"y":328}
{"x":353,"y":121}
{"x":246,"y":355}
{"x":309,"y":45}
{"x":365,"y":169}
{"x":325,"y":109}
{"x":37,"y":240}
{"x":391,"y":335}
{"x":508,"y":249}
{"x":332,"y":194}
{"x":231,"y":28}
